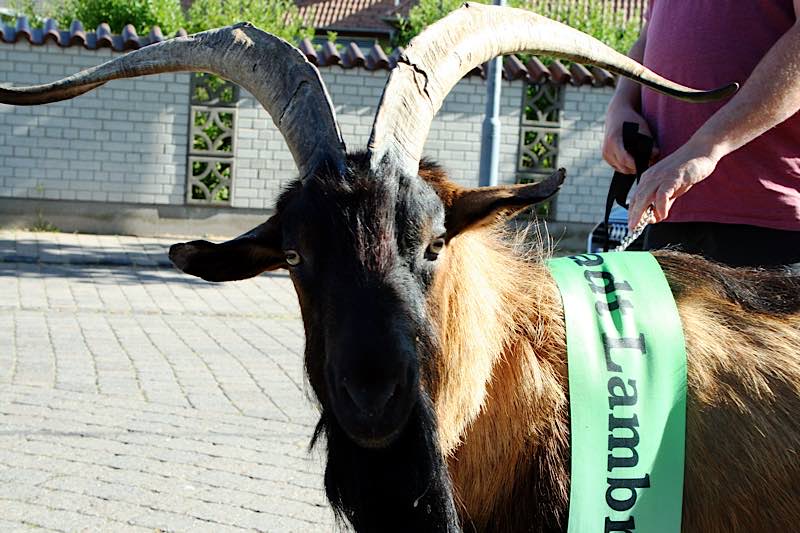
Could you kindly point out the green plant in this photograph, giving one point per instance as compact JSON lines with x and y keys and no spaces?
{"x":28,"y":8}
{"x":217,"y":132}
{"x":43,"y":225}
{"x":598,"y":18}
{"x":279,"y":17}
{"x":142,"y":14}
{"x":218,"y":192}
{"x":423,"y":15}
{"x":208,"y":87}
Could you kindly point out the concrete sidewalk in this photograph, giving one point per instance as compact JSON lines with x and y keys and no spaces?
{"x":136,"y":398}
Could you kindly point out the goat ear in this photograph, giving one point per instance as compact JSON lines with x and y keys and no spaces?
{"x":244,"y":257}
{"x":470,"y":208}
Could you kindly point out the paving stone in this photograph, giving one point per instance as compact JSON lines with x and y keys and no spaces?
{"x":135,"y":398}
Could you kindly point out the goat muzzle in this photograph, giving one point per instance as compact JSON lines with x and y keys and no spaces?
{"x":373,"y":408}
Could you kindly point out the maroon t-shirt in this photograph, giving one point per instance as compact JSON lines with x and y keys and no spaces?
{"x":706,"y":44}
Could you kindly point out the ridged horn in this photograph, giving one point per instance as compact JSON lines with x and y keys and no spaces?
{"x":275,"y":72}
{"x":446,"y":51}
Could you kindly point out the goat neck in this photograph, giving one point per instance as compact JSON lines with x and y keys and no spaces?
{"x":500,"y":394}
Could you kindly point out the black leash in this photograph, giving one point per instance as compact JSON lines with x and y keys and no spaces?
{"x":640,"y":146}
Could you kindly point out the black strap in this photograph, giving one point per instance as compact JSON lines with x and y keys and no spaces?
{"x":640,"y":146}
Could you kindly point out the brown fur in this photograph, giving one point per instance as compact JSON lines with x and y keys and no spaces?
{"x":502,"y":406}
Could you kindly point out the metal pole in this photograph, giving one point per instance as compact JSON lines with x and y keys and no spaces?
{"x":490,"y":133}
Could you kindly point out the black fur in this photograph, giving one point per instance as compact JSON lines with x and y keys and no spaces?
{"x":773,"y":292}
{"x":402,"y":488}
{"x":362,"y":287}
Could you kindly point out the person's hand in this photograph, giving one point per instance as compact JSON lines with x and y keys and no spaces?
{"x":613,"y":149}
{"x":668,"y":179}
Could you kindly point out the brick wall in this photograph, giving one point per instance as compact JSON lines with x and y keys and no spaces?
{"x":264,"y":164}
{"x":127,"y":142}
{"x":582,"y":199}
{"x":456,"y":131}
{"x":122,"y":143}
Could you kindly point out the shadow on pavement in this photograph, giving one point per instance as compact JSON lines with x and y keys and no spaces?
{"x":35,"y":259}
{"x":49,"y":252}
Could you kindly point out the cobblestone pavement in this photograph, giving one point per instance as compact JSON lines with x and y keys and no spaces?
{"x":136,"y":398}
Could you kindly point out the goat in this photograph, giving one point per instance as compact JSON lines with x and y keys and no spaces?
{"x":435,"y":344}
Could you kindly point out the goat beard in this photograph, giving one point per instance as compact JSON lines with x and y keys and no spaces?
{"x":403,"y":487}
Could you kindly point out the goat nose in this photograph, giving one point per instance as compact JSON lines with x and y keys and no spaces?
{"x":370,"y":398}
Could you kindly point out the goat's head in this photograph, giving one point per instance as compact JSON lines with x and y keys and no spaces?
{"x":362,"y":248}
{"x":362,"y":234}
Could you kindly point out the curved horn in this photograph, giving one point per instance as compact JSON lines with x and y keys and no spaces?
{"x":446,"y":51}
{"x":274,"y":71}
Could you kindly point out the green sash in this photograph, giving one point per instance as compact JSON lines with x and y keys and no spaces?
{"x":627,"y":389}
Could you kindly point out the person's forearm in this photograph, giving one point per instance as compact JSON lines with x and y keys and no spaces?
{"x":628,"y":93}
{"x":770,"y":96}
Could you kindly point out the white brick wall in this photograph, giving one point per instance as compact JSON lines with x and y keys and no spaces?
{"x":264,"y":164}
{"x":121,"y":143}
{"x":582,"y":199}
{"x":456,"y":131}
{"x":127,"y":142}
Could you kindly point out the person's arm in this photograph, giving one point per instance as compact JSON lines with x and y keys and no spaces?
{"x":625,"y":106}
{"x":770,"y":96}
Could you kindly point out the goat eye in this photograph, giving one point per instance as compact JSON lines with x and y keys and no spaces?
{"x":436,"y":246}
{"x":292,"y":257}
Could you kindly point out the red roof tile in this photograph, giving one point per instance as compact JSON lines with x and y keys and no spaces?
{"x":76,"y":36}
{"x":363,"y":15}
